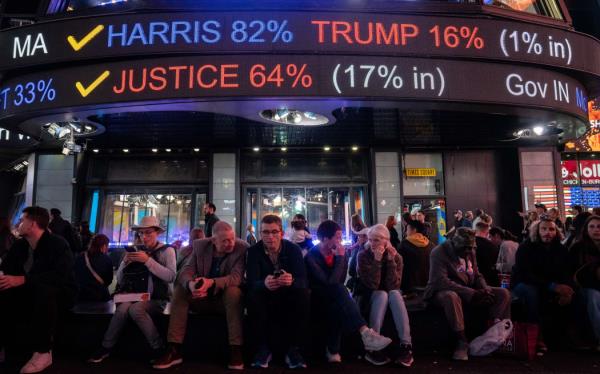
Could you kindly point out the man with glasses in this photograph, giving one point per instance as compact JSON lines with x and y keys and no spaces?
{"x":36,"y":286}
{"x":277,"y":284}
{"x":454,"y":281}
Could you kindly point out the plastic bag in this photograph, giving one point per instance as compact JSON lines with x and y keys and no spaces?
{"x":492,"y":339}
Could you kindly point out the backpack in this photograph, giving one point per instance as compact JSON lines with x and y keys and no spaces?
{"x":136,"y":275}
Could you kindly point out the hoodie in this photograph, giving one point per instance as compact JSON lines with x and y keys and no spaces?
{"x":415,"y":250}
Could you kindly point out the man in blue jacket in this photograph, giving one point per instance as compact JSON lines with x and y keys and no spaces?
{"x":277,"y":290}
{"x":36,"y":285}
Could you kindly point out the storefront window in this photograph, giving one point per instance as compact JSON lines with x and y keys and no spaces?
{"x":549,"y":8}
{"x":538,"y":179}
{"x":580,"y":175}
{"x":423,"y":174}
{"x":122,"y":212}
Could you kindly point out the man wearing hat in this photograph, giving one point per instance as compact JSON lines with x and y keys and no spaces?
{"x":454,"y":280}
{"x":159,"y":262}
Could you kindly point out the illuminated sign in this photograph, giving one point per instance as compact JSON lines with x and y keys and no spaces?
{"x":119,"y":36}
{"x":368,"y":78}
{"x":10,"y":139}
{"x":426,"y":172}
{"x":590,"y":141}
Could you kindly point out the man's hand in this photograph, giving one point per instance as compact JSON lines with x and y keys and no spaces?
{"x":339,"y":250}
{"x":198,"y":293}
{"x":11,"y":281}
{"x":285,"y":279}
{"x":271,"y":283}
{"x":565,"y":294}
{"x":139,"y":256}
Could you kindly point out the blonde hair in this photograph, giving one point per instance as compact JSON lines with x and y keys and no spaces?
{"x":379,"y":230}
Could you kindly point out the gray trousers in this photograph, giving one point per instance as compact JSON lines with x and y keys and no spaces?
{"x":452,"y":304}
{"x":141,"y":313}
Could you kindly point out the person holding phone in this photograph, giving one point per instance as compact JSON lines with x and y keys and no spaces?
{"x":327,"y":265}
{"x":277,"y":285}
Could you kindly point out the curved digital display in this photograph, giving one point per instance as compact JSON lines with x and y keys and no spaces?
{"x":297,"y":32}
{"x":237,"y":76}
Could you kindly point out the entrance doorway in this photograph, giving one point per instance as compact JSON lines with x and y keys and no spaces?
{"x":315,"y":203}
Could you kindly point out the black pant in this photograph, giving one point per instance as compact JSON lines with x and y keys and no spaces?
{"x":289,"y":305}
{"x":34,"y":308}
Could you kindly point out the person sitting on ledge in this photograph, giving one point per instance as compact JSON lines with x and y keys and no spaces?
{"x":209,"y":281}
{"x":151,"y":269}
{"x":455,"y":280}
{"x":36,"y":287}
{"x":94,"y":271}
{"x":327,"y":265}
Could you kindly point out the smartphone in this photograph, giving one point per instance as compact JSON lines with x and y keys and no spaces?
{"x":199,"y":284}
{"x":277,"y":273}
{"x":131,"y":249}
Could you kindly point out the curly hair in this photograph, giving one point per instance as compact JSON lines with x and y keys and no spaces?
{"x":534,"y":229}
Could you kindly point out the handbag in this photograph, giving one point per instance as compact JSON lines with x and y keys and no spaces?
{"x":136,"y":275}
{"x":521,"y":342}
{"x":91,"y":269}
{"x":492,"y":339}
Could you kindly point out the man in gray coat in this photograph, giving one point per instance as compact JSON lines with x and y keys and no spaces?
{"x":209,"y":281}
{"x":454,"y":280}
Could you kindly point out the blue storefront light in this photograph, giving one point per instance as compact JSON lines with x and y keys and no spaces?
{"x":94,"y":210}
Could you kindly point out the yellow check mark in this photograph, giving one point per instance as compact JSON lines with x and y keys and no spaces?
{"x":86,"y":91}
{"x":86,"y":39}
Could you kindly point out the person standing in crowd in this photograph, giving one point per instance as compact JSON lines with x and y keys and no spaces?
{"x":210,"y":218}
{"x":85,"y":234}
{"x":554,"y":213}
{"x":209,"y":282}
{"x":357,"y":225}
{"x":540,"y":208}
{"x":508,"y":245}
{"x":277,"y":286}
{"x":455,"y":280}
{"x":156,"y":262}
{"x":37,"y":286}
{"x":528,"y":219}
{"x":326,"y":265}
{"x":299,"y":234}
{"x":394,"y":237}
{"x":420,"y":216}
{"x":61,"y":227}
{"x":486,"y":252}
{"x":415,"y":250}
{"x":184,"y":252}
{"x":6,"y":237}
{"x":468,"y":220}
{"x":94,"y":271}
{"x":250,"y":235}
{"x":478,"y":213}
{"x":584,"y":258}
{"x":406,"y":217}
{"x":541,"y":274}
{"x":380,"y":276}
{"x":353,"y":255}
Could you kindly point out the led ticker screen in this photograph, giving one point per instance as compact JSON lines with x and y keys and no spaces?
{"x":119,"y":36}
{"x":230,"y":76}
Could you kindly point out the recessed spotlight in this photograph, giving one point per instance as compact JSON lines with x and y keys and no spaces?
{"x":154,"y":150}
{"x":168,"y":149}
{"x":327,"y":148}
{"x":355,"y":148}
{"x":196,"y":149}
{"x":95,"y":150}
{"x":283,"y":149}
{"x":256,"y":149}
{"x":538,"y":130}
{"x":125,"y":150}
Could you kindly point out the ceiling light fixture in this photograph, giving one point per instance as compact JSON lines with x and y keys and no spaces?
{"x":293,"y":117}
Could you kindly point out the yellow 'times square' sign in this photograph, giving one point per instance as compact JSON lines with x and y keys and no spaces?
{"x":430,"y":172}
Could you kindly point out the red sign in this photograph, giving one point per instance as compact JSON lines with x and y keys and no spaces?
{"x":569,"y":172}
{"x":590,"y":172}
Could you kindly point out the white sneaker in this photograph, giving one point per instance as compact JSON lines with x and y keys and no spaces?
{"x":373,"y":341}
{"x":333,"y":358}
{"x":38,"y":362}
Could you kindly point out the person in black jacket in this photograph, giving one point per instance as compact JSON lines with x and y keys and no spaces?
{"x":394,"y":237}
{"x":541,"y":273}
{"x":585,"y":265}
{"x":210,"y":218}
{"x":277,"y":288}
{"x":415,"y":250}
{"x":36,"y":287}
{"x":61,"y":227}
{"x":94,"y":271}
{"x":486,"y":252}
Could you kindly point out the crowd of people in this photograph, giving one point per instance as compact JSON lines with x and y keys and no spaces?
{"x":282,"y":279}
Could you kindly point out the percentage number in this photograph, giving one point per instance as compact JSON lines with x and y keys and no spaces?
{"x":453,"y":37}
{"x":390,"y":76}
{"x":31,"y":92}
{"x":529,"y":41}
{"x":260,"y":75}
{"x":253,"y":31}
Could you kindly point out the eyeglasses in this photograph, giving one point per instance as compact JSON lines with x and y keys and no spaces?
{"x":146,"y":232}
{"x":270,"y":232}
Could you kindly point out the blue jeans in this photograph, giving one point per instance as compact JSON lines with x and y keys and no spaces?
{"x":141,"y":313}
{"x":592,"y":299}
{"x":343,"y":314}
{"x":380,"y":300}
{"x":531,"y":298}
